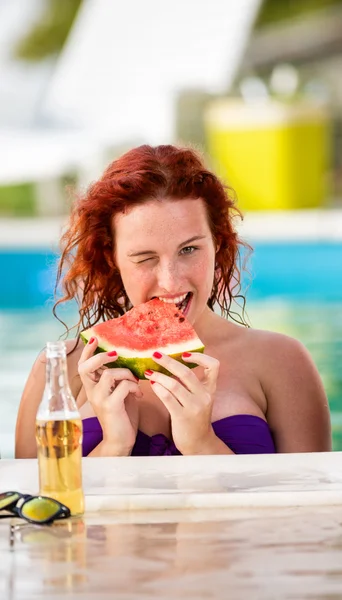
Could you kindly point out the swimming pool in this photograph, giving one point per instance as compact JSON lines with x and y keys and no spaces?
{"x":302,"y":271}
{"x":296,"y":289}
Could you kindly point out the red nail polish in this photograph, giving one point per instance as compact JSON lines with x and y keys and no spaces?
{"x":157,"y":355}
{"x":186,"y":354}
{"x":92,"y":339}
{"x":112,"y":353}
{"x":136,"y":378}
{"x":149,"y":372}
{"x":152,"y":381}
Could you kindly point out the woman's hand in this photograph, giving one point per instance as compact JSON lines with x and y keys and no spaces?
{"x":113,"y":395}
{"x":188,"y":400}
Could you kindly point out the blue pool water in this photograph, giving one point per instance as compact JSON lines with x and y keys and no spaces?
{"x":296,"y":271}
{"x":296,"y":288}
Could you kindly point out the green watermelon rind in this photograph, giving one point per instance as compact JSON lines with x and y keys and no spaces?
{"x":138,"y":366}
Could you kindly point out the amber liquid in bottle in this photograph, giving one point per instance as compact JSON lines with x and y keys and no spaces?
{"x":59,"y":435}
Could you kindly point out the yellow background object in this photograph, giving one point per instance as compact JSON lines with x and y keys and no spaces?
{"x":275,"y":156}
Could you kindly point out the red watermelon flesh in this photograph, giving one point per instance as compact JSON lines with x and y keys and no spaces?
{"x":146,"y":328}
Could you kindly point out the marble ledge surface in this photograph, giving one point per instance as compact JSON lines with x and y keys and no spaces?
{"x":281,"y":554}
{"x":179,"y":482}
{"x":265,"y":553}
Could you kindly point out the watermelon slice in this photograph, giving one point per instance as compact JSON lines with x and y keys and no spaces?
{"x":146,"y":328}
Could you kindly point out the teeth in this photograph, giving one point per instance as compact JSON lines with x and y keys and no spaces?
{"x":176,"y":300}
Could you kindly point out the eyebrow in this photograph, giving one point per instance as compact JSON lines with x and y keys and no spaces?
{"x":193,"y":239}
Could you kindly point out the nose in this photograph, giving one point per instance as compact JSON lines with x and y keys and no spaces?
{"x":169,"y":277}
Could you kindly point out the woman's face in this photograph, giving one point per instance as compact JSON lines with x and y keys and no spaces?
{"x":165,"y":249}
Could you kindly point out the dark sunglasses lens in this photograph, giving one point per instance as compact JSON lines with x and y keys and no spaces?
{"x":40,"y":509}
{"x":7,"y":498}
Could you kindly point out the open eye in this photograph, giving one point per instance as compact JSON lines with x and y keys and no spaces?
{"x":189,"y":249}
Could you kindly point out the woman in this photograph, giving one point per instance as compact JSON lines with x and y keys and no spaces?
{"x":159,"y":224}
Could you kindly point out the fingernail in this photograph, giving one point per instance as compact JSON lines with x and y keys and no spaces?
{"x":112,"y":353}
{"x":186,"y":354}
{"x":136,"y":378}
{"x":92,"y":339}
{"x":148,"y":372}
{"x":157,"y":355}
{"x":152,"y":381}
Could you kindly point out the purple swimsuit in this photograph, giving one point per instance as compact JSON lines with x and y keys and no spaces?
{"x":243,"y":434}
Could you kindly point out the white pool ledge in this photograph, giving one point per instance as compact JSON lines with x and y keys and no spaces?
{"x":292,"y":226}
{"x":178,"y":482}
{"x":301,"y":225}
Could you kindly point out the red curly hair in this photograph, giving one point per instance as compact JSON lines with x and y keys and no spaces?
{"x":87,"y":268}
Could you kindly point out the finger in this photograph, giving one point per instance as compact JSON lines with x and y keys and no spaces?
{"x":118,"y":374}
{"x":182,"y":372}
{"x":95,"y":363}
{"x":114,"y":401}
{"x":88,"y":349}
{"x":123,"y":389}
{"x":174,"y":386}
{"x":210,"y":365}
{"x":109,"y":379}
{"x":99,"y":359}
{"x":170,"y":402}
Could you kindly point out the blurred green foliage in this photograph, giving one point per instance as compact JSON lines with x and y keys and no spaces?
{"x":49,"y":33}
{"x":17,"y":200}
{"x":273,"y":11}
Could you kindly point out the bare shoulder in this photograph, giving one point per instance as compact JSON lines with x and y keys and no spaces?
{"x":282,"y":356}
{"x":252,"y":340}
{"x":297,"y":408}
{"x":297,"y":405}
{"x":263,"y":345}
{"x":281,"y":359}
{"x":265,"y":349}
{"x":274,"y":345}
{"x":73,"y":350}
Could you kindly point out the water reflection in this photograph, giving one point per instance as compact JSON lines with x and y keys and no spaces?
{"x":62,"y":545}
{"x":317,"y":324}
{"x":244,"y":553}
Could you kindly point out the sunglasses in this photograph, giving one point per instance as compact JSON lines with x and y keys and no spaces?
{"x":39,"y":510}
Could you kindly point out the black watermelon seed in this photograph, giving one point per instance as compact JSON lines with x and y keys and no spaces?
{"x":181,"y":319}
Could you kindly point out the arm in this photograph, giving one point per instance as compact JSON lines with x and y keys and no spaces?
{"x":25,"y":439}
{"x":105,"y":449}
{"x":214,"y":446}
{"x":297,"y":406}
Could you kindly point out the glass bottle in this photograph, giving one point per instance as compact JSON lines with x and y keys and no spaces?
{"x":59,"y":435}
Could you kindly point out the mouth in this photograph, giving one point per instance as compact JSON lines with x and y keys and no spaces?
{"x":182,"y":302}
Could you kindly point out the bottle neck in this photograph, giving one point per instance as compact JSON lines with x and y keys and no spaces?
{"x":56,"y":374}
{"x":58,"y":402}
